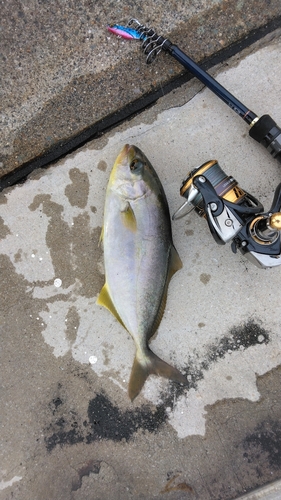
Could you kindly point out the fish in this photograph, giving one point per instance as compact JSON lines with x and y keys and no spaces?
{"x":139,"y":259}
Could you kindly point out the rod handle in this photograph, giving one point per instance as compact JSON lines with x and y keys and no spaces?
{"x":267,"y":132}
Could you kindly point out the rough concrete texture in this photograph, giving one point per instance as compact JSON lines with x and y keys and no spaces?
{"x":61,"y":72}
{"x":69,"y":430}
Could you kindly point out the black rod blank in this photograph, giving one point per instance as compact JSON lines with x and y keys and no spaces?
{"x":263,"y":129}
{"x":210,"y":82}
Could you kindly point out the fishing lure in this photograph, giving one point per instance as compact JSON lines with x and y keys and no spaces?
{"x":125,"y":32}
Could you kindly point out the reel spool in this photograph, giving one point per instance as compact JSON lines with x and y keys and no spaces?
{"x":233,"y":214}
{"x":225,"y":186}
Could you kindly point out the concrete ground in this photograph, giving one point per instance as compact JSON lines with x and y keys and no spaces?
{"x":69,"y":430}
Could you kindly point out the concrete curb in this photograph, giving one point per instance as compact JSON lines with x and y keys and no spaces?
{"x":64,"y":78}
{"x":269,"y":492}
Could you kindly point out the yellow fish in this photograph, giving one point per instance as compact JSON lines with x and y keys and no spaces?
{"x":139,"y":258}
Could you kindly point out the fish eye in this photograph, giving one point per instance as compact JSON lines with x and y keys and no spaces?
{"x":136,"y":164}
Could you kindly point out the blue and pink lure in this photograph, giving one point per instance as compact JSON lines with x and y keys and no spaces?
{"x":124,"y":32}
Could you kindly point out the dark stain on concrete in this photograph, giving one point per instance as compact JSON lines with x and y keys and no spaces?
{"x":4,"y":229}
{"x":248,"y":334}
{"x":106,"y":421}
{"x":174,"y":484}
{"x":54,"y":397}
{"x":102,"y":165}
{"x":74,"y":250}
{"x":62,"y":437}
{"x":3,"y":199}
{"x":205,"y":278}
{"x":18,"y":255}
{"x":90,"y":467}
{"x":239,"y":337}
{"x":240,"y":450}
{"x":58,"y":238}
{"x":72,"y":322}
{"x":64,"y":422}
{"x":78,"y":192}
{"x":56,"y":402}
{"x":265,"y":440}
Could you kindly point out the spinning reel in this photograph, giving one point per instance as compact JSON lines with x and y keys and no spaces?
{"x":233,"y":214}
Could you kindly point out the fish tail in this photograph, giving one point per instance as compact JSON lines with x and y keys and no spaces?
{"x":147,"y":365}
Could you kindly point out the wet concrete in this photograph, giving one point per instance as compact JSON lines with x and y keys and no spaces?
{"x":63,"y":78}
{"x":69,"y":430}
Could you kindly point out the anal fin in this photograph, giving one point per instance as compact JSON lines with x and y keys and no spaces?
{"x":105,"y":300}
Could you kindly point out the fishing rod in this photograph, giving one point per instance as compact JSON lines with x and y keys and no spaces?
{"x":263,"y":129}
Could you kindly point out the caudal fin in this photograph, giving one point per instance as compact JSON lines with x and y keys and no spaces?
{"x":150,"y":364}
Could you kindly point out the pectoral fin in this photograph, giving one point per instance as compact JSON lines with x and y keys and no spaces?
{"x":128,"y":218}
{"x":104,"y":300}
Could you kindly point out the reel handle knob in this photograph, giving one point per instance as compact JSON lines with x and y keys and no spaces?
{"x":275,"y":221}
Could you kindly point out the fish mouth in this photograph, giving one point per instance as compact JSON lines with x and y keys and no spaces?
{"x":128,"y":151}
